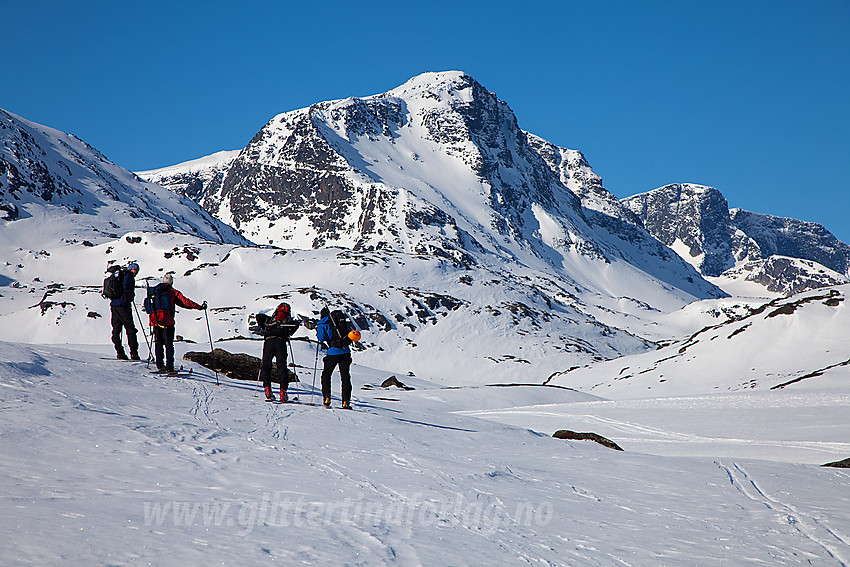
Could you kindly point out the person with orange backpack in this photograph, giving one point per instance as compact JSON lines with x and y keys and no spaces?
{"x":160,"y":304}
{"x":335,"y":330}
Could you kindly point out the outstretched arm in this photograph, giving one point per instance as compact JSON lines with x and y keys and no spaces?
{"x":187,"y":303}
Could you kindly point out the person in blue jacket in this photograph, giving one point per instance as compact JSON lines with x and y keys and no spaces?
{"x":335,"y":356}
{"x":122,"y":315}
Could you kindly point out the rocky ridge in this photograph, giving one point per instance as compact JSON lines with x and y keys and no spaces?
{"x":783,"y":255}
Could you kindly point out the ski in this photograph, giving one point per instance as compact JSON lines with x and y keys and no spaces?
{"x":121,"y":359}
{"x":292,"y":400}
{"x":177,"y":372}
{"x":180,"y":372}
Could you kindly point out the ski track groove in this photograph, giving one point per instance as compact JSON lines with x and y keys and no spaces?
{"x":808,"y":526}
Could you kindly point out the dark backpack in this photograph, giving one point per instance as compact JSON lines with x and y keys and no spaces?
{"x":113,"y":284}
{"x":340,"y":327}
{"x":159,"y":299}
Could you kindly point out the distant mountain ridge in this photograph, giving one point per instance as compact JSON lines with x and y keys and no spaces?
{"x":782,"y":254}
{"x":191,"y":178}
{"x":464,"y":247}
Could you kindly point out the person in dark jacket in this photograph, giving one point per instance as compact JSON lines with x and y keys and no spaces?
{"x":335,"y":356}
{"x":276,"y":329}
{"x":166,"y":298}
{"x":122,"y":315}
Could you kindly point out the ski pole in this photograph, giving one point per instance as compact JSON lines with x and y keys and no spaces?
{"x":291,"y":354}
{"x":315,"y":365}
{"x":142,"y":327}
{"x":212,"y":351}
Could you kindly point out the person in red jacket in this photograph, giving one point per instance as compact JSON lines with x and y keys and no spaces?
{"x":164,"y":299}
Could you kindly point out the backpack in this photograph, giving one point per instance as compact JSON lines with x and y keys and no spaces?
{"x":340,"y":327}
{"x":270,"y":326}
{"x":113,"y":284}
{"x":159,"y":299}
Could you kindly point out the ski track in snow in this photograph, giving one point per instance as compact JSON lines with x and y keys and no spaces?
{"x":806,"y":524}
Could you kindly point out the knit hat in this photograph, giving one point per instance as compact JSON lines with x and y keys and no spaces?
{"x":325,"y":312}
{"x":133,"y":266}
{"x":168,"y":278}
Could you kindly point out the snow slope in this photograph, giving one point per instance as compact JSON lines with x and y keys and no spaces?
{"x":417,"y":312}
{"x":788,"y":343}
{"x":106,"y":465}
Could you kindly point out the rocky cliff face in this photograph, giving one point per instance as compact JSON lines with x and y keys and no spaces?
{"x":795,"y":238}
{"x":692,"y":216}
{"x":696,"y":222}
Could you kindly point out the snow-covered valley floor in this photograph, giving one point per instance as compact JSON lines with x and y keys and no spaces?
{"x":105,"y":464}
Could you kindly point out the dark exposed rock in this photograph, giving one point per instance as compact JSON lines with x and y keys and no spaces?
{"x":567,"y":434}
{"x":696,"y":216}
{"x":237,"y":366}
{"x":845,"y":464}
{"x":393,"y":381}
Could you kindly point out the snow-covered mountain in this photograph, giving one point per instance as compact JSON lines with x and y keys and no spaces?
{"x":55,"y":187}
{"x":783,"y":255}
{"x":437,"y":166}
{"x":193,"y":178}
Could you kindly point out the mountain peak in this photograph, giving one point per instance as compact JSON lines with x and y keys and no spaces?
{"x":445,"y":85}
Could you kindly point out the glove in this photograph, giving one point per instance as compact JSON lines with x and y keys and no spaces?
{"x":204,"y":306}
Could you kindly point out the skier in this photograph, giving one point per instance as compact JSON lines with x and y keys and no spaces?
{"x":276,"y":329}
{"x":164,"y":299}
{"x":335,"y":336}
{"x":122,"y":315}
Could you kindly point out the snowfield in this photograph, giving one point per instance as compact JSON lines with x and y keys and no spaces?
{"x":106,"y":464}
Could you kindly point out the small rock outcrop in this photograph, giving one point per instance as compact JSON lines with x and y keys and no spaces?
{"x":236,"y":366}
{"x":845,"y":464}
{"x":393,"y":381}
{"x":567,"y":434}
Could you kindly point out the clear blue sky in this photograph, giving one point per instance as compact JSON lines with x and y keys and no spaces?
{"x":751,"y":97}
